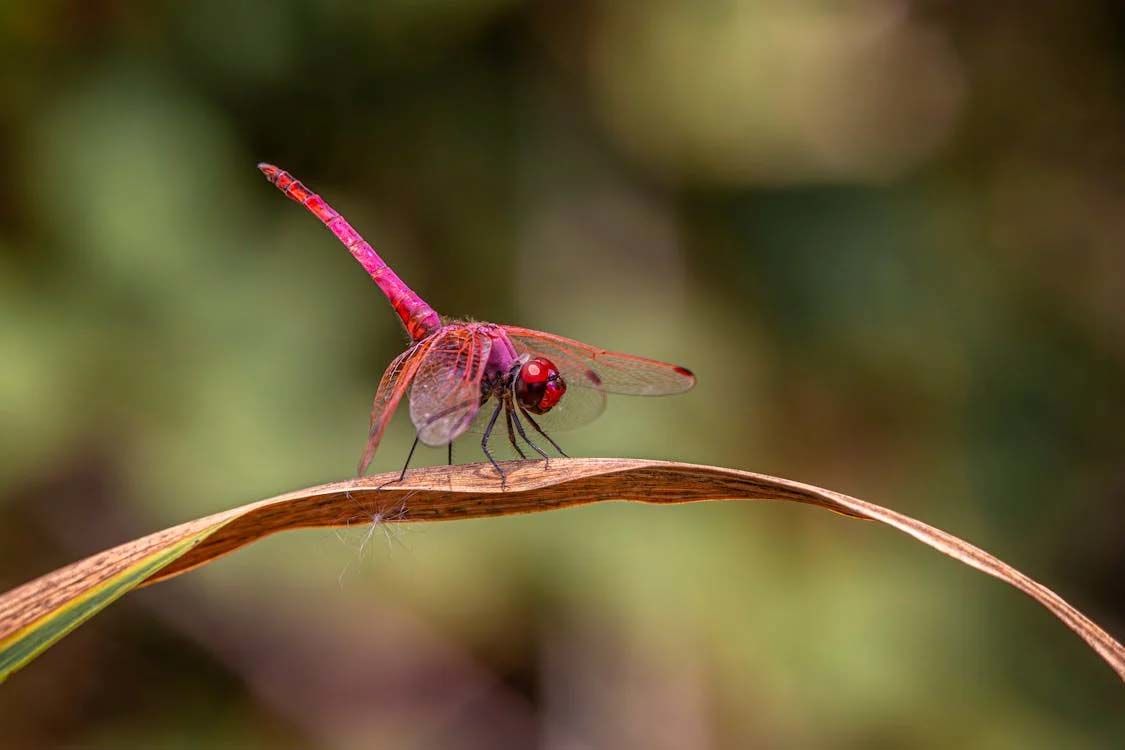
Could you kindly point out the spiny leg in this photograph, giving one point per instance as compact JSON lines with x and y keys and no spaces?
{"x":409,"y":456}
{"x":405,"y":466}
{"x":487,"y":435}
{"x":414,"y":445}
{"x":519,"y":426}
{"x":540,"y":431}
{"x":512,"y":435}
{"x":431,"y":420}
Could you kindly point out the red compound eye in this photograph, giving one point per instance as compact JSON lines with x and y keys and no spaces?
{"x":539,"y":386}
{"x":538,"y":370}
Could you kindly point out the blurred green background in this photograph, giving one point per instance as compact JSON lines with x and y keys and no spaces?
{"x":887,"y":236}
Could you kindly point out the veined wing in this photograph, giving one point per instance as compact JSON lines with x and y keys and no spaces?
{"x":577,"y":407}
{"x":396,"y":379}
{"x":446,"y":392}
{"x":590,"y":367}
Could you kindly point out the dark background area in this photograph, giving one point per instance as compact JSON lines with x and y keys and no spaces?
{"x":887,"y":237}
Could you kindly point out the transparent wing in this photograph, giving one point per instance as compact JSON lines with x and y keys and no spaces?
{"x":396,"y":379}
{"x":446,"y":392}
{"x":500,"y":446}
{"x":577,"y":407}
{"x":589,"y":367}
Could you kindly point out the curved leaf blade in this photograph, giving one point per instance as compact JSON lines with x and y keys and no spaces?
{"x":21,"y":646}
{"x":36,"y":615}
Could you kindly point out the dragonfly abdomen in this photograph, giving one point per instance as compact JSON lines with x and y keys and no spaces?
{"x":419,"y":319}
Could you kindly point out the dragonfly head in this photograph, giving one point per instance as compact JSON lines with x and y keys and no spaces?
{"x":539,"y":386}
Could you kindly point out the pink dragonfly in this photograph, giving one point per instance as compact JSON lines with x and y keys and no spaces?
{"x":453,"y":368}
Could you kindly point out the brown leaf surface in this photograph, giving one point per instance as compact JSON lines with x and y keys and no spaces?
{"x":472,"y":491}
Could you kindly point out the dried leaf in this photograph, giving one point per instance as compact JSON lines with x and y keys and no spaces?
{"x":35,"y":615}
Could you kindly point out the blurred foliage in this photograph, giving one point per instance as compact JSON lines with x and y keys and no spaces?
{"x":886,"y":235}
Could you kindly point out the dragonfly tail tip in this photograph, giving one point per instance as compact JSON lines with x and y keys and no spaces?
{"x":270,"y":171}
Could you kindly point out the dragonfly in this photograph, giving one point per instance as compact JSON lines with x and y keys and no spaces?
{"x":465,"y":375}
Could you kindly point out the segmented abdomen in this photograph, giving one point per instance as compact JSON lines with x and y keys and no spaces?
{"x":419,"y":318}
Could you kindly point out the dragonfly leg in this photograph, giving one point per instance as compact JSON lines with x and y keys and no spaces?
{"x":540,"y":431}
{"x":487,"y":435}
{"x":519,"y":426}
{"x":511,"y":435}
{"x":409,"y":456}
{"x":450,"y":452}
{"x":405,"y":466}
